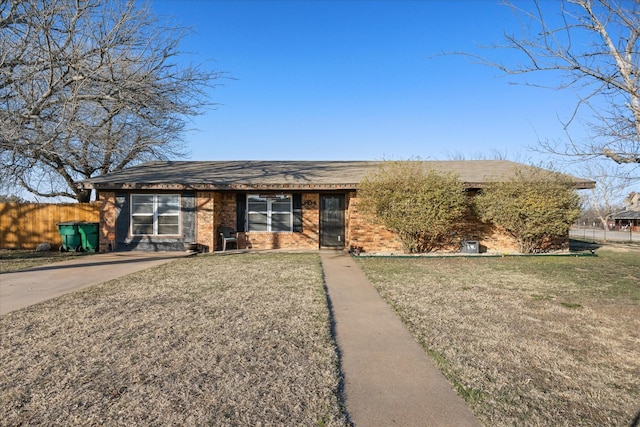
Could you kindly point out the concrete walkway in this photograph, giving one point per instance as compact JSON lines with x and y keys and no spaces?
{"x":27,"y":287}
{"x":388,"y":378}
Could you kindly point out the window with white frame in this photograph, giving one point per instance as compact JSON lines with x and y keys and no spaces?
{"x":155,"y":214}
{"x":269,"y":212}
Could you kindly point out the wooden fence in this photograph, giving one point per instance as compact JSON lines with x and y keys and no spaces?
{"x":26,"y":225}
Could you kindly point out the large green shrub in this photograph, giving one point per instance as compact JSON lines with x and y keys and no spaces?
{"x":533,"y":207}
{"x":422,"y":206}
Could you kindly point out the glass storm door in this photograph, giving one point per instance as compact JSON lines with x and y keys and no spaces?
{"x":332,"y":220}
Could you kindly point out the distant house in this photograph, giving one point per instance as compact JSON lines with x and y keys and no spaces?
{"x":160,"y":206}
{"x":628,"y":219}
{"x":632,"y":201}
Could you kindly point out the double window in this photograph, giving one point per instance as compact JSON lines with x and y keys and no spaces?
{"x":269,"y":212}
{"x":155,"y":214}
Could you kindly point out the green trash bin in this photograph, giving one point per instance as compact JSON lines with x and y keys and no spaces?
{"x":89,"y":236}
{"x":71,"y":240}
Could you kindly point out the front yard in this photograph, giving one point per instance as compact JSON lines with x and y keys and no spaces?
{"x":245,"y":339}
{"x":211,"y":340}
{"x":527,"y":341}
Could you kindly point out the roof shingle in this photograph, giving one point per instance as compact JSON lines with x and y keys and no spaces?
{"x":259,"y":175}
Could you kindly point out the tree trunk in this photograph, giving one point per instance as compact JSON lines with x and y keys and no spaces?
{"x":605,"y":227}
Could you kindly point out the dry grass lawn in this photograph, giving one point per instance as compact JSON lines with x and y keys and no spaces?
{"x":551,"y":341}
{"x":209,"y":340}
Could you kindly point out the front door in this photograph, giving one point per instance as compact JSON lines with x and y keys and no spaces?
{"x":332,"y":220}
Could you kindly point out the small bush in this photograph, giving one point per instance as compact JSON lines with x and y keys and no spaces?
{"x":421,"y":205}
{"x":534,"y":207}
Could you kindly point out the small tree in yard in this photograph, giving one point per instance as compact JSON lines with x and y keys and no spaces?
{"x":422,"y":206}
{"x":533,"y":207}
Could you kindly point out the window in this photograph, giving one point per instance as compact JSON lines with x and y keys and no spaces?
{"x":269,"y":212}
{"x":155,"y":214}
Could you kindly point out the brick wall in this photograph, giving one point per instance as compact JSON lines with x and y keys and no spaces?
{"x":205,"y":219}
{"x":216,"y":208}
{"x":213,"y":209}
{"x":226,"y":214}
{"x":108,"y":216}
{"x":363,"y":232}
{"x":308,"y":239}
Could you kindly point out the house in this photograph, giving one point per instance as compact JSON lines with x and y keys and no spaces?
{"x":629,"y":218}
{"x":163,"y":205}
{"x":626,"y":220}
{"x":632,"y":201}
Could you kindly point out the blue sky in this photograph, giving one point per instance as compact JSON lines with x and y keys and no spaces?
{"x":361,"y":80}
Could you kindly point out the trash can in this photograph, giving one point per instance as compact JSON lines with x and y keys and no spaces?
{"x":470,"y":247}
{"x":71,"y":240}
{"x":89,"y":235}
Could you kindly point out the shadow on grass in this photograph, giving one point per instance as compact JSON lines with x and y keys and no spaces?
{"x":20,"y":254}
{"x":95,"y":263}
{"x":583,"y":246}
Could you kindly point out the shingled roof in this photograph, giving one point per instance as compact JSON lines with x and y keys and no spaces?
{"x":630,"y":214}
{"x":293,"y":175}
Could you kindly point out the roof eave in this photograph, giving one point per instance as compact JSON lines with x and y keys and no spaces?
{"x":585,"y":185}
{"x":582,"y":185}
{"x":217,"y":187}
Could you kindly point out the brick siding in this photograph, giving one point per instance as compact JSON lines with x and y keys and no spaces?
{"x":364,"y":233}
{"x":309,"y":238}
{"x":206,"y":219}
{"x":108,"y":216}
{"x":219,"y":208}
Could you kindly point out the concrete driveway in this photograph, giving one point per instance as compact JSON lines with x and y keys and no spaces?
{"x":27,"y":287}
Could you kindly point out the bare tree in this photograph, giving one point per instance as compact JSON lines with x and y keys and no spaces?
{"x":593,"y":45}
{"x":89,"y":87}
{"x":492,"y":155}
{"x":604,"y":198}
